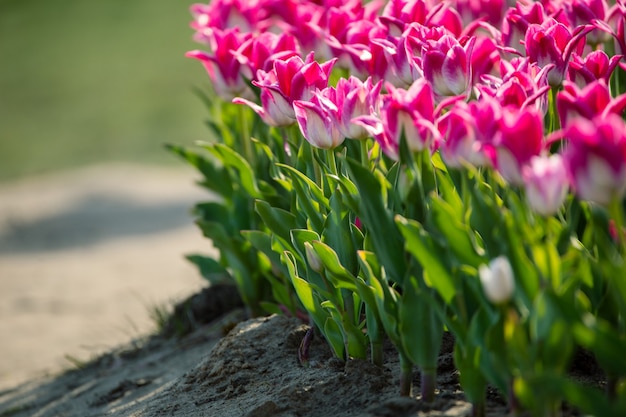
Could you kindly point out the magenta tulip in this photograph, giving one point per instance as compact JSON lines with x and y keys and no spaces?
{"x":316,"y":124}
{"x":595,"y":158}
{"x":519,"y":139}
{"x":546,"y":184}
{"x":447,"y":66}
{"x":222,"y":66}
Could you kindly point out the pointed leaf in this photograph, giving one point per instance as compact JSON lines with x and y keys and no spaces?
{"x":430,"y":255}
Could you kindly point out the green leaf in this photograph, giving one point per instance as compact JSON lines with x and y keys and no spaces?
{"x":213,"y":211}
{"x":386,"y":300}
{"x":485,"y":218}
{"x":334,"y":336}
{"x":421,"y":328}
{"x":457,"y":235}
{"x":307,"y":184}
{"x":262,"y":241}
{"x":216,"y":177}
{"x":430,"y":255}
{"x":307,"y":202}
{"x":277,"y":220}
{"x":525,"y":271}
{"x":385,"y":236}
{"x":605,"y":341}
{"x":210,"y":269}
{"x":305,"y":291}
{"x":232,"y":159}
{"x":449,"y":193}
{"x":338,"y":234}
{"x":340,"y":276}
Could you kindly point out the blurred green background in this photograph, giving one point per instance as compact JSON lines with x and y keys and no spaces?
{"x":86,"y":81}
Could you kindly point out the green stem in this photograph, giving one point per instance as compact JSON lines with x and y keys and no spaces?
{"x":365,"y":161}
{"x":554,"y":123}
{"x":332,"y":162}
{"x":406,"y":376}
{"x":348,"y":305}
{"x":247,"y":140}
{"x":617,"y":214}
{"x":478,"y":409}
{"x":317,"y":170}
{"x":375,"y":333}
{"x":428,"y":384}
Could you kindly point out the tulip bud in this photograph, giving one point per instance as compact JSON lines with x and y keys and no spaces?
{"x":313,"y":258}
{"x":497,"y":280}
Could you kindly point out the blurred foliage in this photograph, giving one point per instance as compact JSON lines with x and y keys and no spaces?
{"x":84,"y":81}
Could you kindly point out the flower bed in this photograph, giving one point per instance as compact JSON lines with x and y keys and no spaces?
{"x":397,"y":169}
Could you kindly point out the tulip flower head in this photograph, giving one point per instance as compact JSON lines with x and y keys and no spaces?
{"x":289,"y":80}
{"x":316,"y":124}
{"x":520,"y":137}
{"x":595,"y":158}
{"x":407,"y":113}
{"x":460,"y":145}
{"x":595,"y":66}
{"x":497,"y":280}
{"x":552,"y":43}
{"x":222,"y":66}
{"x":447,"y":65}
{"x":353,"y":98}
{"x":545,"y":182}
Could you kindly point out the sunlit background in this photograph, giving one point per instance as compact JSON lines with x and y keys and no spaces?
{"x":94,"y":213}
{"x":84,"y":81}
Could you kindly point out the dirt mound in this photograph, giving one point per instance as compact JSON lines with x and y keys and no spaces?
{"x":231,"y":367}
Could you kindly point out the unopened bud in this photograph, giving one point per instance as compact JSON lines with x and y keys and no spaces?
{"x":313,"y":258}
{"x":497,"y":280}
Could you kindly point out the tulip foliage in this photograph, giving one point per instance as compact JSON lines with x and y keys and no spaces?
{"x":397,"y":169}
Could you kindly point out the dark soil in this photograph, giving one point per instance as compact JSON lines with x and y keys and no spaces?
{"x":252,"y":371}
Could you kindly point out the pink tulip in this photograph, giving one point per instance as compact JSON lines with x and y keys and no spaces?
{"x":223,"y":68}
{"x":460,"y":145}
{"x":403,"y":62}
{"x":350,"y":99}
{"x":589,"y":102}
{"x":595,"y":157}
{"x":520,"y":137}
{"x":225,"y":14}
{"x":522,"y":84}
{"x":616,"y":18}
{"x":472,"y":10}
{"x":584,"y":12}
{"x":516,"y":23}
{"x":291,"y":79}
{"x":398,"y":15}
{"x":407,"y":113}
{"x":595,"y":66}
{"x":359,"y":51}
{"x":552,"y":44}
{"x":485,"y":59}
{"x":447,"y":65}
{"x":545,"y":182}
{"x":275,"y":109}
{"x":260,"y":51}
{"x":316,"y":124}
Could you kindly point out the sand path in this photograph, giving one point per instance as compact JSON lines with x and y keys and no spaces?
{"x":85,"y":255}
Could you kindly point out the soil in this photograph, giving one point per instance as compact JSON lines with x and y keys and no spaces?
{"x":227,"y":365}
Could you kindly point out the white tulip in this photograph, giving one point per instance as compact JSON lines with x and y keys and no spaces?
{"x":497,"y":280}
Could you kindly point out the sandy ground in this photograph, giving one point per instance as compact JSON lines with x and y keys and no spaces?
{"x":85,"y":256}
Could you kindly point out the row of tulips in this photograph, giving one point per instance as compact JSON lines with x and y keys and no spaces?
{"x":396,"y":169}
